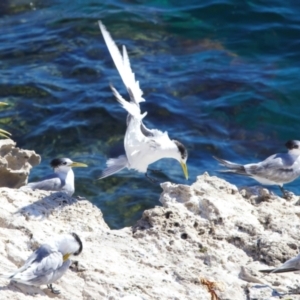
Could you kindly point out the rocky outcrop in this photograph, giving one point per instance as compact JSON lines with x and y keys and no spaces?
{"x":205,"y":236}
{"x":15,"y":164}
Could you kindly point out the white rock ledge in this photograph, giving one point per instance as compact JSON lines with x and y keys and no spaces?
{"x":204,"y":231}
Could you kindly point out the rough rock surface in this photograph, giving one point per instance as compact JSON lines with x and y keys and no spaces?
{"x":15,"y":164}
{"x":206,"y":232}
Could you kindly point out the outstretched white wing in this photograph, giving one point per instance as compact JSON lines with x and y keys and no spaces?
{"x":122,"y":64}
{"x":142,"y":150}
{"x":142,"y":145}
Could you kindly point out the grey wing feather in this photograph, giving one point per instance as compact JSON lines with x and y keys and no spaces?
{"x":279,"y":270}
{"x":114,"y":165}
{"x":39,"y":272}
{"x":273,"y":162}
{"x":49,"y":183}
{"x":27,"y":263}
{"x":278,"y":168}
{"x":290,"y":265}
{"x":36,"y":257}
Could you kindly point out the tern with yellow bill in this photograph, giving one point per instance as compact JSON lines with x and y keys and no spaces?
{"x":61,"y":180}
{"x":143,"y":146}
{"x":277,"y":169}
{"x":48,"y":263}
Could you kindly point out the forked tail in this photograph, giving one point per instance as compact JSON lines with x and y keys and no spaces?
{"x":231,"y":167}
{"x":114,"y":165}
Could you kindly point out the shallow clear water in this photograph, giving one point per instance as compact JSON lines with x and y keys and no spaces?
{"x":220,"y":76}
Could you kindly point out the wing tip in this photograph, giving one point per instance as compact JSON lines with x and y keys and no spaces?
{"x":100,"y":24}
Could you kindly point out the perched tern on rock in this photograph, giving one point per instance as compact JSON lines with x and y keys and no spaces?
{"x":49,"y":262}
{"x":143,"y":146}
{"x":291,"y":265}
{"x":277,"y":169}
{"x":61,"y":180}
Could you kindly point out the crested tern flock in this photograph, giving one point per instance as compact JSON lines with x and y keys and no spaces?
{"x":143,"y":146}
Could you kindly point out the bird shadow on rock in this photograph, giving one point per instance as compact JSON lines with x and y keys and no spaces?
{"x":25,"y":289}
{"x":43,"y":207}
{"x":274,"y":292}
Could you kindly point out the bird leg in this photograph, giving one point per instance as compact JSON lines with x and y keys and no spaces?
{"x":282,"y":190}
{"x":153,"y":180}
{"x":54,"y":291}
{"x":285,"y":194}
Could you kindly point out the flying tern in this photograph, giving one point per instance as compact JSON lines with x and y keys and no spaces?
{"x":290,"y":265}
{"x":143,"y":146}
{"x":61,"y":180}
{"x":277,"y":169}
{"x":49,"y":262}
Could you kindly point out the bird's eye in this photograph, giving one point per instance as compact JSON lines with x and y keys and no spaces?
{"x":65,"y":163}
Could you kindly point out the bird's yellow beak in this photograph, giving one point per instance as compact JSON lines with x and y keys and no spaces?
{"x":66,"y":256}
{"x":4,"y":133}
{"x":77,"y":164}
{"x":185,"y":170}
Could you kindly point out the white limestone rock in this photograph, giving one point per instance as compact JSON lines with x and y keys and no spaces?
{"x":15,"y":164}
{"x":206,"y":232}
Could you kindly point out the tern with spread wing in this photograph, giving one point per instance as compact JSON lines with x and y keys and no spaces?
{"x":143,"y":146}
{"x":49,"y":262}
{"x":61,"y":180}
{"x":277,"y":169}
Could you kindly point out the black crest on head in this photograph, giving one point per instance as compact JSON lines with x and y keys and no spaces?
{"x":182,"y":149}
{"x":56,"y":162}
{"x":292,"y":144}
{"x":78,"y":240}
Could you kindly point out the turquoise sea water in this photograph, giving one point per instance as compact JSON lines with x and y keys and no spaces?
{"x":220,"y":76}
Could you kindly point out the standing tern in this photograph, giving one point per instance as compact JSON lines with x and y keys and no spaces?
{"x":277,"y":169}
{"x":290,"y":265}
{"x":61,"y":180}
{"x":49,"y":262}
{"x":143,"y":146}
